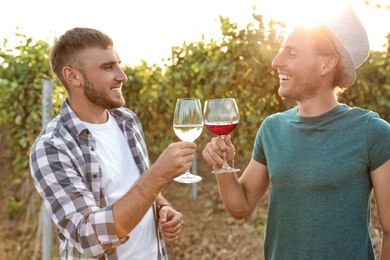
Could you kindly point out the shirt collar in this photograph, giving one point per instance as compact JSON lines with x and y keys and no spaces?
{"x":70,"y":118}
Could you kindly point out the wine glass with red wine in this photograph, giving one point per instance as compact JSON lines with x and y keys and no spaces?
{"x":221,"y":117}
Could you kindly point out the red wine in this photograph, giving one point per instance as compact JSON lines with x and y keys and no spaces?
{"x":221,"y":128}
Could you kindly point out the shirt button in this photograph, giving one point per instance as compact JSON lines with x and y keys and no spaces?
{"x":94,"y":175}
{"x":92,"y":149}
{"x":87,"y":132}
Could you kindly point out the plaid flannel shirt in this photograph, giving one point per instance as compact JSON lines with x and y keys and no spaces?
{"x":68,"y":177}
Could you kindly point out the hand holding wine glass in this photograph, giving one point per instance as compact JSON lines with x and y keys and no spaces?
{"x":221,"y":117}
{"x":188,"y":125}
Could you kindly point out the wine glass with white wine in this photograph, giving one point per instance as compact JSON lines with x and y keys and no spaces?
{"x":188,"y":125}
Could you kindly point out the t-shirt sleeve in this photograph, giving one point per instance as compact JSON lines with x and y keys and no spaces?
{"x":378,"y":142}
{"x":258,"y":149}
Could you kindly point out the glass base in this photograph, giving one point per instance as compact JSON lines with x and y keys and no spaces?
{"x":223,"y":170}
{"x":188,"y":178}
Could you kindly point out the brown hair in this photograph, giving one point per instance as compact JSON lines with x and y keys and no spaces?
{"x":67,"y":49}
{"x":324,"y":45}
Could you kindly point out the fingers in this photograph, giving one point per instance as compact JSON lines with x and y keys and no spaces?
{"x":182,"y":149}
{"x":211,"y":156}
{"x":232,"y":151}
{"x":171,"y":223}
{"x":183,"y":154}
{"x":217,"y":149}
{"x":182,"y":145}
{"x":175,"y":160}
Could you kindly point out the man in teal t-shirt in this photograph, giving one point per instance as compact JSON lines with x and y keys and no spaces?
{"x":322,"y":159}
{"x":320,"y":182}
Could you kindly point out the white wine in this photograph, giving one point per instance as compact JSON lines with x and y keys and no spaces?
{"x":188,"y":125}
{"x":188,"y":132}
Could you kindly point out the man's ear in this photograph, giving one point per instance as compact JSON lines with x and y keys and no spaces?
{"x":329,"y":63}
{"x":72,"y":76}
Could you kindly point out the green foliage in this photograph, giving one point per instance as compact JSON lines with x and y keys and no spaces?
{"x":21,"y":73}
{"x":15,"y":207}
{"x":146,"y":94}
{"x":238,"y":64}
{"x":372,"y":87}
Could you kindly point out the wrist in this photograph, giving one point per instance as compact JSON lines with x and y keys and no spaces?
{"x":159,"y":207}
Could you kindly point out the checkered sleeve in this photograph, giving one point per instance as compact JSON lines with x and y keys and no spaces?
{"x":69,"y":200}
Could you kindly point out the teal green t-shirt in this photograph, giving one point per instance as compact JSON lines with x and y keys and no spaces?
{"x":319,"y":169}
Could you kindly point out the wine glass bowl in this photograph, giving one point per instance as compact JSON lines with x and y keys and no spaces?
{"x":221,"y":117}
{"x":188,"y":125}
{"x":221,"y":128}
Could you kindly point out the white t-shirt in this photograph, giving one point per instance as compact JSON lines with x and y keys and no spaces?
{"x":120,"y":172}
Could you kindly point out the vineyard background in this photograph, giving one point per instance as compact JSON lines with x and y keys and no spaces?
{"x":235,"y":65}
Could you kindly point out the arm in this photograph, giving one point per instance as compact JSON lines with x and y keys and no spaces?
{"x":74,"y":208}
{"x":381,"y":181}
{"x":240,"y":196}
{"x":131,"y":208}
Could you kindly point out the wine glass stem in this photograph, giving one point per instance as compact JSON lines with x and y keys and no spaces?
{"x":225,"y":164}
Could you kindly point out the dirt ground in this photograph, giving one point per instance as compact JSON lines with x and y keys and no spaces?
{"x":209,"y":233}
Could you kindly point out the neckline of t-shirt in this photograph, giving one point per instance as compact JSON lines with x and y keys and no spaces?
{"x":340,"y":108}
{"x":100,"y":126}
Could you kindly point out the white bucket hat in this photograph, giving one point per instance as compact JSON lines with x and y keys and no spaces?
{"x":351,"y":41}
{"x":348,"y":33}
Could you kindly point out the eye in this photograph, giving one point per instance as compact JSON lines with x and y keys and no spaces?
{"x":288,"y":51}
{"x":108,"y":67}
{"x":292,"y":53}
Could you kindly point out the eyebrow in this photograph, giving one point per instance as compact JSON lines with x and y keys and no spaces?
{"x":287,"y":47}
{"x":110,"y":63}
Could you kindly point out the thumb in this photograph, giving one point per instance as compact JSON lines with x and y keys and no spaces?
{"x":163,"y":216}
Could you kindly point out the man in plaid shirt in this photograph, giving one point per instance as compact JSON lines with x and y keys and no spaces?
{"x":90,"y":164}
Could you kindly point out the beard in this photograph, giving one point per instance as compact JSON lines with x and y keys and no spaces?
{"x":101,"y":97}
{"x":303,"y":88}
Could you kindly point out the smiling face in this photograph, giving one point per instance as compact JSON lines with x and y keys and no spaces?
{"x":103,"y":78}
{"x":299,"y":67}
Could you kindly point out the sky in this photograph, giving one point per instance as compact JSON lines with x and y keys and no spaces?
{"x":147,"y":29}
